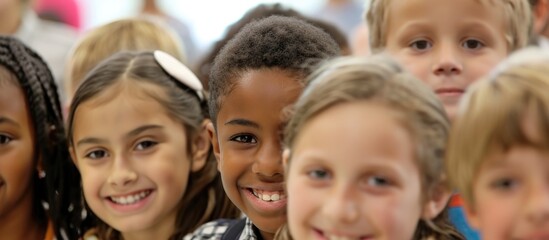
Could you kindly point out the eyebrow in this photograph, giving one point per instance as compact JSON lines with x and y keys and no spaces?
{"x":242,"y":122}
{"x":132,"y":133}
{"x":5,"y":120}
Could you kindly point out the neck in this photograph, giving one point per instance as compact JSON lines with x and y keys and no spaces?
{"x":20,"y":223}
{"x":162,"y":230}
{"x":266,"y":235}
{"x":10,"y":17}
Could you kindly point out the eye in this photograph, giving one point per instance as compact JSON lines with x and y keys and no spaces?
{"x":504,"y":184}
{"x":421,"y":45}
{"x":472,"y":44}
{"x":145,"y":145}
{"x":378,"y":181}
{"x":96,"y":154}
{"x":5,"y":139}
{"x":319,"y":174}
{"x":244,"y":138}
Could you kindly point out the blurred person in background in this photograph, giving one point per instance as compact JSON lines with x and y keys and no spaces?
{"x":540,"y":10}
{"x":150,"y":8}
{"x":51,"y":40}
{"x":345,"y":14}
{"x":63,"y":11}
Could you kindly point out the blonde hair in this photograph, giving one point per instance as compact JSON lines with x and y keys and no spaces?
{"x":517,"y":12}
{"x":380,"y":80}
{"x":492,"y":117}
{"x":133,"y":34}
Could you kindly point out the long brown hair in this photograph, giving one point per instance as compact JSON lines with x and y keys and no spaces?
{"x":204,"y":199}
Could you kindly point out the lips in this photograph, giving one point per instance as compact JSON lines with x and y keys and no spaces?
{"x":130,"y":198}
{"x":324,"y":235}
{"x":446,"y":91}
{"x":267,"y":199}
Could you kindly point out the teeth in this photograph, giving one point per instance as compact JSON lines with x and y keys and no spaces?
{"x":272,"y":197}
{"x":130,"y":199}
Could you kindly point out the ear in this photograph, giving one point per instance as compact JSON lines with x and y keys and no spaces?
{"x":200,"y":147}
{"x":285,"y":158}
{"x":73,"y":156}
{"x":213,"y":139}
{"x":436,"y":202}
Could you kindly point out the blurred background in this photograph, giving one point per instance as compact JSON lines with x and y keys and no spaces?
{"x":204,"y":21}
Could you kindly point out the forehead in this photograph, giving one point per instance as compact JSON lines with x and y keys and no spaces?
{"x":122,"y":106}
{"x":435,"y":11}
{"x":260,"y":92}
{"x":357,"y":133}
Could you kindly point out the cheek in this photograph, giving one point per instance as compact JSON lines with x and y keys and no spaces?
{"x":483,"y":65}
{"x":17,"y":163}
{"x":301,"y":197}
{"x":92,"y":180}
{"x":17,"y":168}
{"x":233,"y":164}
{"x":168,"y":170}
{"x":496,"y":213}
{"x":303,"y":202}
{"x":396,"y":215}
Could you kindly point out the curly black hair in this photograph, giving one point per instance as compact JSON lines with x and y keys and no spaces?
{"x":60,"y":188}
{"x":264,"y":10}
{"x":285,"y":43}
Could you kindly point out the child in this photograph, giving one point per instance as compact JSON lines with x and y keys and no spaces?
{"x":35,"y":170}
{"x":133,"y":34}
{"x":257,"y":75}
{"x":433,"y":41}
{"x":449,"y":44}
{"x":137,"y":134}
{"x":365,"y":157}
{"x":498,"y":152}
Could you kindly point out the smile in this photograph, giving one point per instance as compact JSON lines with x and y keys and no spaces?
{"x":130,"y":199}
{"x":268,"y":196}
{"x":333,"y":236}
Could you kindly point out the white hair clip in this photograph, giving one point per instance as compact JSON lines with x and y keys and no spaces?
{"x":179,"y":71}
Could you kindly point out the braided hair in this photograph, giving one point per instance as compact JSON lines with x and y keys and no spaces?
{"x":60,"y":188}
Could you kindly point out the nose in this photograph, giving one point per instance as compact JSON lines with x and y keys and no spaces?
{"x":538,"y":205}
{"x":122,"y":173}
{"x":447,"y":60}
{"x":342,"y":205}
{"x":268,"y":163}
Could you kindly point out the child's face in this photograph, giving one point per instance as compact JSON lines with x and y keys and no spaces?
{"x":247,"y":145}
{"x":133,"y":159}
{"x":353,"y":175}
{"x":511,"y":192}
{"x":448,"y":44}
{"x":17,"y":164}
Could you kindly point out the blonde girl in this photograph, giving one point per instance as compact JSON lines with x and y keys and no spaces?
{"x":365,"y":156}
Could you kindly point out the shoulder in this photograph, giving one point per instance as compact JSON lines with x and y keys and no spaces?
{"x":212,"y":230}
